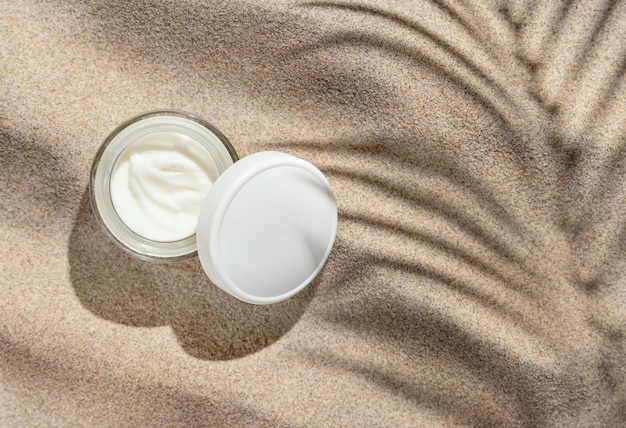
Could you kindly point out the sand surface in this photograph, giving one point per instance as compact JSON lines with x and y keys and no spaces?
{"x":478,"y":156}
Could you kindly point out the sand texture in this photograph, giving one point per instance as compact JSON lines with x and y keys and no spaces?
{"x":477,"y":151}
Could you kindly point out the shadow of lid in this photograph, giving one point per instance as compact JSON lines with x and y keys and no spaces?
{"x":208,"y":323}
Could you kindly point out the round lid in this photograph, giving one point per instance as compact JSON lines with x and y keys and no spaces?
{"x":267,"y":227}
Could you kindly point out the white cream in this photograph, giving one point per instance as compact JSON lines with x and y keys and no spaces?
{"x":159,"y":183}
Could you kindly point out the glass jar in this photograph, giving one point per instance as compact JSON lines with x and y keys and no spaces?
{"x":219,"y":153}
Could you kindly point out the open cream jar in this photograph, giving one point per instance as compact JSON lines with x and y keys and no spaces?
{"x":150,"y":178}
{"x":166,"y":185}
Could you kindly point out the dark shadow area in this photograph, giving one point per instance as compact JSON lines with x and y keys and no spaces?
{"x":208,"y":323}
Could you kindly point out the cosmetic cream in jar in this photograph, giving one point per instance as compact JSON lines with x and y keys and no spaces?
{"x":167,"y":185}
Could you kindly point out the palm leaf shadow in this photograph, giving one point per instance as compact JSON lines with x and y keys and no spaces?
{"x":490,"y":88}
{"x":513,"y":380}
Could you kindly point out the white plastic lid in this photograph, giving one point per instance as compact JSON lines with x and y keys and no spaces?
{"x":267,"y":227}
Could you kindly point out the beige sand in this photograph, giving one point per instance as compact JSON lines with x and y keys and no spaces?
{"x":478,"y":158}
